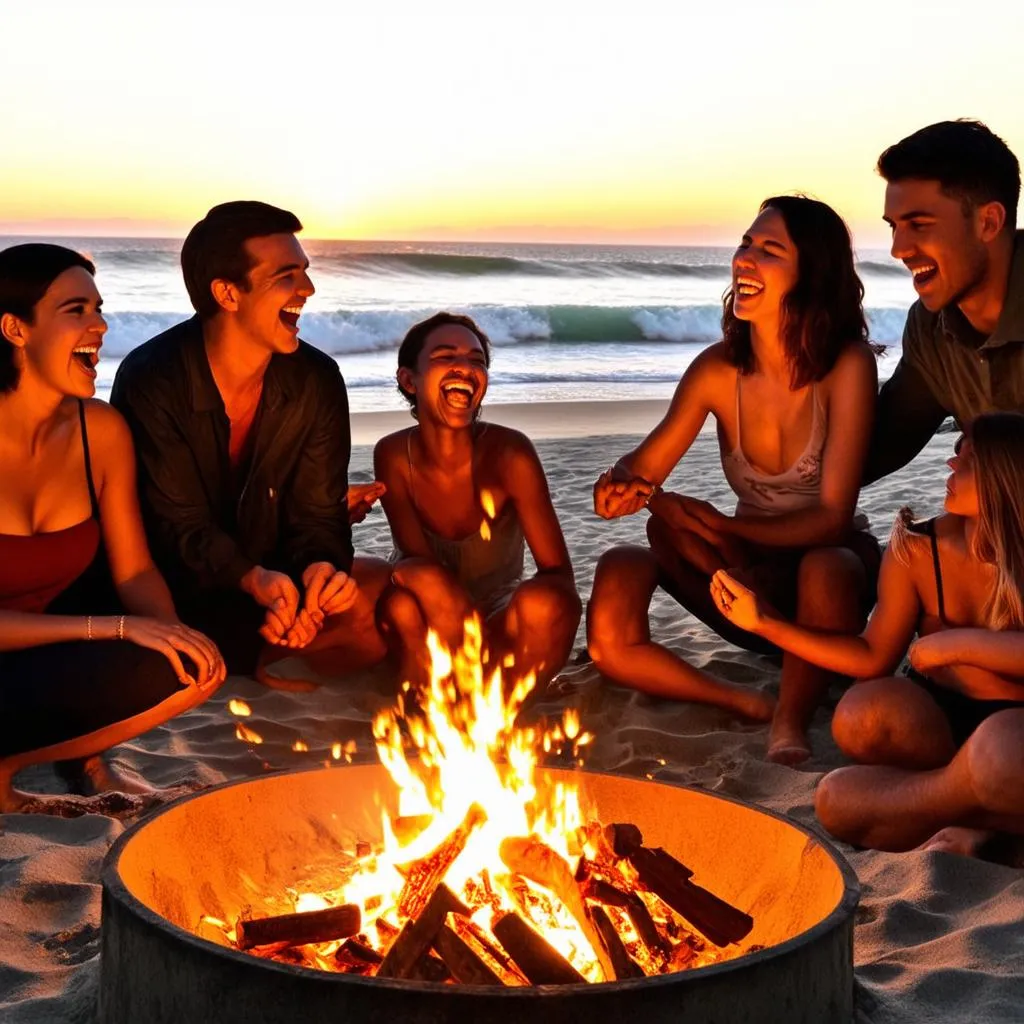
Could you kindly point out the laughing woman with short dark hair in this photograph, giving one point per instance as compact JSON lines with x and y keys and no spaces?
{"x":75,"y":681}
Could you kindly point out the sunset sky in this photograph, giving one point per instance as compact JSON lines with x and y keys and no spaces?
{"x":549,"y":121}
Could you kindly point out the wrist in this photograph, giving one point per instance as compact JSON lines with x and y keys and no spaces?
{"x":249,"y":583}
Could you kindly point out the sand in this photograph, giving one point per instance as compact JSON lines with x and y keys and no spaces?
{"x":938,"y":937}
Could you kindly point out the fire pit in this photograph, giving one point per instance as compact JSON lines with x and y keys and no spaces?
{"x":459,"y":878}
{"x":162,"y":963}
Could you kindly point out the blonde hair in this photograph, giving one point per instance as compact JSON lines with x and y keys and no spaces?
{"x":998,"y":440}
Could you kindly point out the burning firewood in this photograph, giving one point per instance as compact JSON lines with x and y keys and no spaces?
{"x":465,"y":964}
{"x":300,"y":929}
{"x":473,"y":935}
{"x":423,"y":876}
{"x":601,"y":891}
{"x":418,"y":934}
{"x":539,"y":863}
{"x":625,"y":966}
{"x":660,"y":872}
{"x":539,"y":961}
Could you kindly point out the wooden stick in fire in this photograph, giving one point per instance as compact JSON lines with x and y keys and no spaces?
{"x":423,"y":876}
{"x":301,"y":928}
{"x":600,"y":891}
{"x":660,"y":872}
{"x":537,"y":958}
{"x":418,"y":934}
{"x":539,"y":863}
{"x":465,"y":964}
{"x":625,"y":966}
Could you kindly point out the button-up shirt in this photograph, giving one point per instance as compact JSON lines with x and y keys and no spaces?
{"x":949,"y":369}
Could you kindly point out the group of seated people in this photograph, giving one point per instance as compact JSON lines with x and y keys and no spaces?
{"x":200,"y":524}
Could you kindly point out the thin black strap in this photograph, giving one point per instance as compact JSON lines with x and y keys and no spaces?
{"x":93,"y":501}
{"x":938,"y":571}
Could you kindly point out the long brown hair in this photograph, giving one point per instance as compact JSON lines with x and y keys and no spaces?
{"x":998,"y":439}
{"x":823,"y":312}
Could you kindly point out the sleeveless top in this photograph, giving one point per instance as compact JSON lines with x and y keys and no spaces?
{"x":36,"y":569}
{"x":795,"y":488}
{"x":489,"y":570}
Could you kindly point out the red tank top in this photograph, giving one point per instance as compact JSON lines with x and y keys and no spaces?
{"x":35,"y":569}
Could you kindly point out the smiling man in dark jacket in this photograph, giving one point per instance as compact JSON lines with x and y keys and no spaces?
{"x":242,"y":438}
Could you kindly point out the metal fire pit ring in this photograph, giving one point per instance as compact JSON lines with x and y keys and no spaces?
{"x":161,"y":875}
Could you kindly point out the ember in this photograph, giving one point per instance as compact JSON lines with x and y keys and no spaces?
{"x":488,"y":874}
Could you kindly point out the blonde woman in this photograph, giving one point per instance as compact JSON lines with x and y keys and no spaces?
{"x":943,"y":745}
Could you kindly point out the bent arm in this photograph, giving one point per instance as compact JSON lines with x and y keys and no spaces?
{"x":850,"y":416}
{"x":177,"y":507}
{"x":998,"y":651}
{"x":390,"y":467}
{"x":907,"y":416}
{"x":528,"y":489}
{"x":20,"y":630}
{"x":316,"y":503}
{"x":656,"y":456}
{"x":138,"y":582}
{"x":878,"y":650}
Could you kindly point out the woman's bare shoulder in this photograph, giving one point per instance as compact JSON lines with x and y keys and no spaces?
{"x":390,"y":453}
{"x":106,"y":427}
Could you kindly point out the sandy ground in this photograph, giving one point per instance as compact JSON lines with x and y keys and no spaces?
{"x":938,"y":938}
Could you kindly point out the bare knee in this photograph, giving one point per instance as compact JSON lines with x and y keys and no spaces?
{"x":398,"y":610}
{"x":548,"y":607}
{"x":830,"y":588}
{"x":994,"y":756}
{"x":892,"y":721}
{"x":832,"y":801}
{"x":624,"y":579}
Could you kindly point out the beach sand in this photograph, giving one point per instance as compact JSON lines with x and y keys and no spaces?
{"x":938,"y":937}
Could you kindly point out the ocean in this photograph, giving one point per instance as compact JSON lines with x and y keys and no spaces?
{"x":568,"y":322}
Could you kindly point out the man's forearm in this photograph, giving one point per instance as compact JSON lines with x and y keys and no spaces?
{"x":907,"y":416}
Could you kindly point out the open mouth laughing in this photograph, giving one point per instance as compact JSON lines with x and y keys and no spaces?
{"x":290,"y":315}
{"x":924,"y":273}
{"x":747,"y":286}
{"x":87,"y":356}
{"x":458,"y":392}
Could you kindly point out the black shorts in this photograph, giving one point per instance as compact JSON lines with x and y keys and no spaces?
{"x":773,"y":572}
{"x":58,"y":692}
{"x":963,"y":713}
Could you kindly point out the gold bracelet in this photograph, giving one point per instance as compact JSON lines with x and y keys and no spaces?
{"x":120,"y":627}
{"x":88,"y":627}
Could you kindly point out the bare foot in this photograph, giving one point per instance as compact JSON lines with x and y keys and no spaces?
{"x":967,"y":842}
{"x":754,"y":704}
{"x":787,"y":743}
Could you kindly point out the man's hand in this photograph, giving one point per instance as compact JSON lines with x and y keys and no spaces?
{"x":361,"y":498}
{"x":617,"y":494}
{"x":278,"y":594}
{"x":328,"y":590}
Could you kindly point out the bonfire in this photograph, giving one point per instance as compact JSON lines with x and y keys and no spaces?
{"x":486,"y":874}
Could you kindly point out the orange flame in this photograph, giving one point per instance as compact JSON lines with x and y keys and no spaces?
{"x":239,"y":708}
{"x":247,"y":735}
{"x":299,"y":746}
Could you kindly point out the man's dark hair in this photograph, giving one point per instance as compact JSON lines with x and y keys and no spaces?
{"x":26,"y":273}
{"x":969,"y":161}
{"x":415,"y":338}
{"x":823,"y":312}
{"x":215,"y":247}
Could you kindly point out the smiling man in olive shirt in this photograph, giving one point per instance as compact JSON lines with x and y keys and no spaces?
{"x":951,"y":202}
